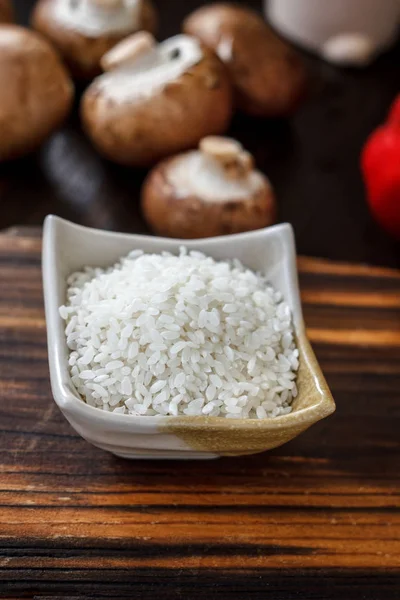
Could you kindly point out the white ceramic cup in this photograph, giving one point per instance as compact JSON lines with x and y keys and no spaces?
{"x":345,"y":32}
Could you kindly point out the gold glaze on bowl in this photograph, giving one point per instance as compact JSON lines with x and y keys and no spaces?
{"x":236,"y":437}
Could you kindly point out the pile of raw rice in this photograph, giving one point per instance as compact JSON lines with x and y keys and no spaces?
{"x":180,"y":335}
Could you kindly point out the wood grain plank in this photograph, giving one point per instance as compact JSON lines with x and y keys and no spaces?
{"x":321,"y":266}
{"x":320,"y":515}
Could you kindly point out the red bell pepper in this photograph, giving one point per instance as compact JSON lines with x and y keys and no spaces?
{"x":380,"y":163}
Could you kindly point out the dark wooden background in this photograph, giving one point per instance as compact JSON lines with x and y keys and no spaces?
{"x":312,"y":160}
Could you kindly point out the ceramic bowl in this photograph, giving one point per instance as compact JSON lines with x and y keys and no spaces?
{"x":346,"y":32}
{"x":68,"y":247}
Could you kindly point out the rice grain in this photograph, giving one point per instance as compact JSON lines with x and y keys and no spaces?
{"x":180,"y":335}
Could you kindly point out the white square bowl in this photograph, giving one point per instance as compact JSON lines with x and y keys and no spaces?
{"x":68,"y":247}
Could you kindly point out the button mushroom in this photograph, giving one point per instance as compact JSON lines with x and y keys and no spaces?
{"x":208,"y":192}
{"x":84,"y":30}
{"x":267,"y":74}
{"x":36,"y":92}
{"x":156,"y":99}
{"x":6,"y":11}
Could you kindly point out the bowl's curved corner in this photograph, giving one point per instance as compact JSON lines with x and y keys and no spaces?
{"x":236,"y":437}
{"x":240,"y":437}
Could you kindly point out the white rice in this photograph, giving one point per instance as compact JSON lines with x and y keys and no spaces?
{"x":159,"y":334}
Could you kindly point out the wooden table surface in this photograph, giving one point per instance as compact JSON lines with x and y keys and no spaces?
{"x":311,"y":159}
{"x":316,"y":519}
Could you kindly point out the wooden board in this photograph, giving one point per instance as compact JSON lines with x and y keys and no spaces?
{"x":317,"y":518}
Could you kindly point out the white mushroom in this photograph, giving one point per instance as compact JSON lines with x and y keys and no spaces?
{"x":84,"y":30}
{"x":209,"y":192}
{"x":157,"y":99}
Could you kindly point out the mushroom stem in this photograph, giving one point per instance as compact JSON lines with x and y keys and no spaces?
{"x":108,"y":4}
{"x":235,"y":161}
{"x":246,"y":161}
{"x":128,"y":51}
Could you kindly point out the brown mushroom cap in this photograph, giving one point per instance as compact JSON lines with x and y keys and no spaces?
{"x":6,"y":11}
{"x":198,"y":194}
{"x":267,"y":73}
{"x":36,"y":92}
{"x":82,"y":53}
{"x":170,"y":118}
